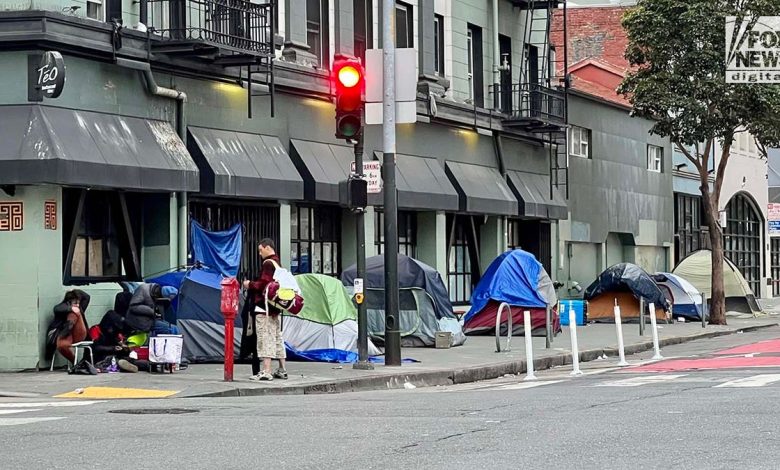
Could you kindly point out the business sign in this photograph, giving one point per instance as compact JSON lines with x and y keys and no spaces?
{"x":372,"y":171}
{"x":773,"y":217}
{"x":46,"y":75}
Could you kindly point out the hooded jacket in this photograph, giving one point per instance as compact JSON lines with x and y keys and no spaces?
{"x":141,"y":314}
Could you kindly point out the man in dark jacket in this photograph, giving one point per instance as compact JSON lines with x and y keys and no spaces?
{"x":270,"y":344}
{"x":69,"y":325}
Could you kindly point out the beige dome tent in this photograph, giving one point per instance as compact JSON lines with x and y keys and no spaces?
{"x":696,"y":268}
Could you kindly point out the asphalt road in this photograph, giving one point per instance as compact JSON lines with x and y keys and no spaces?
{"x":607,"y":419}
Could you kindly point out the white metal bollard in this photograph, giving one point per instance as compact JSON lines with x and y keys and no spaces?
{"x":619,"y":326}
{"x":575,"y":350}
{"x":653,"y":325}
{"x":529,"y":347}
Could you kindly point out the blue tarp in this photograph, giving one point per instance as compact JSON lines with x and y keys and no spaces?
{"x":513,"y":278}
{"x":220,"y":251}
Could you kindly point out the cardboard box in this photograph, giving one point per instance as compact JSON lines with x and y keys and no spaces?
{"x":443,"y":339}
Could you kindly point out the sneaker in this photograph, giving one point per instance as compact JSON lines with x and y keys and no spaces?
{"x":265,"y":376}
{"x":127,"y":366}
{"x":280,"y":374}
{"x":255,"y":378}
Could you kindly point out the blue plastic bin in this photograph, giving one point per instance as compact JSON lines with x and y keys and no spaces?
{"x":579,"y":311}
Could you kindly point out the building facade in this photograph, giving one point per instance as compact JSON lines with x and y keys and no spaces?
{"x":212,"y":113}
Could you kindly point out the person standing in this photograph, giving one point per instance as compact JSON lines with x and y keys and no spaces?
{"x":268,"y":326}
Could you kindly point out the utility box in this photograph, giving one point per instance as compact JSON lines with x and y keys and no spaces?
{"x":443,"y":339}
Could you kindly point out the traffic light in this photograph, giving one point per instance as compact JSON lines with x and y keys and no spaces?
{"x":350,"y":83}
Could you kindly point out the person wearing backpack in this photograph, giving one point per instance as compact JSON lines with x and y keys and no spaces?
{"x":268,"y":327}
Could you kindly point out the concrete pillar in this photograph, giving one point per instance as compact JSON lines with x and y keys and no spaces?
{"x":345,"y":27}
{"x":285,"y":235}
{"x":348,"y":242}
{"x":428,"y":81}
{"x":492,"y":241}
{"x":432,"y":241}
{"x":602,"y":257}
{"x":370,"y":220}
{"x":173,"y":230}
{"x":296,"y":48}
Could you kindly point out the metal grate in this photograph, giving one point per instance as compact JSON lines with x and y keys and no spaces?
{"x":775,"y":251}
{"x":258,"y":221}
{"x":742,"y":239}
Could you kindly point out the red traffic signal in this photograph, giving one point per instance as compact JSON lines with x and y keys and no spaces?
{"x":349,"y":82}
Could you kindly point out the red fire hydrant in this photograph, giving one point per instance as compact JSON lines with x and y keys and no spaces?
{"x":229,"y":308}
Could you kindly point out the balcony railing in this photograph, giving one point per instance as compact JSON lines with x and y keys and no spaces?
{"x":238,"y":25}
{"x":531,"y":104}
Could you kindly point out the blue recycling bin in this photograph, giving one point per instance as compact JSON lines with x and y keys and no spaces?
{"x":579,"y":311}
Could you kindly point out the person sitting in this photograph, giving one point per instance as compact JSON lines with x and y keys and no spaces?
{"x":144,"y":312}
{"x":69,"y":325}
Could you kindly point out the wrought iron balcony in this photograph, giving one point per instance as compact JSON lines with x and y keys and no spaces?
{"x":218,"y":28}
{"x":532,"y":107}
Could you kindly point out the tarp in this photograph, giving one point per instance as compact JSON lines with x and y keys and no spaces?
{"x":518,"y":279}
{"x":629,"y":277}
{"x":686,"y":299}
{"x":220,"y":251}
{"x":697,"y":269}
{"x":326,"y":328}
{"x":425,"y":306}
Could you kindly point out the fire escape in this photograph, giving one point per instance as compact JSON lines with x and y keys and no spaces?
{"x":539,"y":103}
{"x":226,"y":33}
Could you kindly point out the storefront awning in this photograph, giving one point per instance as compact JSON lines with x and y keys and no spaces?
{"x":45,"y":145}
{"x":322,"y":166}
{"x":422,"y":184}
{"x":240,"y":164}
{"x":533,"y":196}
{"x":482,"y":190}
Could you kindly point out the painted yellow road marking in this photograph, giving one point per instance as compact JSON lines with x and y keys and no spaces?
{"x":118,"y":393}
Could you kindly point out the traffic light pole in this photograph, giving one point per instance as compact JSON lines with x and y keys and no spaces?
{"x":392,"y":331}
{"x":360,"y":236}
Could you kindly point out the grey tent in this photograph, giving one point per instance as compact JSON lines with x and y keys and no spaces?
{"x":424,"y":307}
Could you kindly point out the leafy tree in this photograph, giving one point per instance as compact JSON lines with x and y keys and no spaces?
{"x":677,"y":50}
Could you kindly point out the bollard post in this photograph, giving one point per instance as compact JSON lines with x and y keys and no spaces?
{"x":641,"y":316}
{"x":575,"y":350}
{"x":548,"y":327}
{"x":703,"y":310}
{"x":619,"y":326}
{"x":654,"y":326}
{"x":529,"y":347}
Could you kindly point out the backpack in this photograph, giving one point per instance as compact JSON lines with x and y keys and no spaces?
{"x":283,"y":293}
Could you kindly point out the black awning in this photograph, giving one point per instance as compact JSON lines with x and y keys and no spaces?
{"x":245,"y":165}
{"x":533,"y":195}
{"x":482,"y":190}
{"x":82,"y":148}
{"x":422,"y":184}
{"x":322,"y":166}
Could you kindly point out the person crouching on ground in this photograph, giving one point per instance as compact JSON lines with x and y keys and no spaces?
{"x":70,"y":322}
{"x":270,"y":344}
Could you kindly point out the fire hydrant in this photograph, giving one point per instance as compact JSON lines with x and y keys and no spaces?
{"x":229,"y":308}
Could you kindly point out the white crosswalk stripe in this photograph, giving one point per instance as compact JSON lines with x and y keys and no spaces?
{"x":16,"y":408}
{"x":753,"y":381}
{"x":639,"y":381}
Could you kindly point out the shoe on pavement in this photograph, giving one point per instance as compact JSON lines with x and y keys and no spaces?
{"x":280,"y":374}
{"x":127,"y":366}
{"x":265,"y":377}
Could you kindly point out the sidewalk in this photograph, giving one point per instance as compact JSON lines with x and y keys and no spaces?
{"x":474,"y":361}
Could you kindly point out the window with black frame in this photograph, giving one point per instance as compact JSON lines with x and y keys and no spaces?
{"x":317,"y":30}
{"x":407,"y":233}
{"x":404,"y":25}
{"x":462,"y":257}
{"x":364,"y":27}
{"x":100,"y":235}
{"x":438,"y":45}
{"x":315,"y":240}
{"x":688,"y":225}
{"x":742,"y":239}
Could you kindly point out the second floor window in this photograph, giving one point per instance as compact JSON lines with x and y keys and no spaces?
{"x":317,"y":30}
{"x":470,"y":65}
{"x":404,"y":25}
{"x":474,"y":70}
{"x":438,"y":45}
{"x":364,"y":28}
{"x":579,"y":142}
{"x":655,"y":158}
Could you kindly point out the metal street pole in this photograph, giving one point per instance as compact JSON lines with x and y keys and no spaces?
{"x":360,"y":237}
{"x":392,"y":332}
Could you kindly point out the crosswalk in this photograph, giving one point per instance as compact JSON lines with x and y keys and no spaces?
{"x":760,"y":380}
{"x":10,"y":411}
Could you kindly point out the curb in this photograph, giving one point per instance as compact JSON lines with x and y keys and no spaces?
{"x":458,"y":376}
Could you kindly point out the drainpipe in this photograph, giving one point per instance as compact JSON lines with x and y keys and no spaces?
{"x":181,"y":129}
{"x":496,"y":59}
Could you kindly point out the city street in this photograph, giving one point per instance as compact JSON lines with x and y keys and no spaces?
{"x":632,"y":417}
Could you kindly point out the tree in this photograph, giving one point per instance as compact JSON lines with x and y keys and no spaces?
{"x":677,"y":51}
